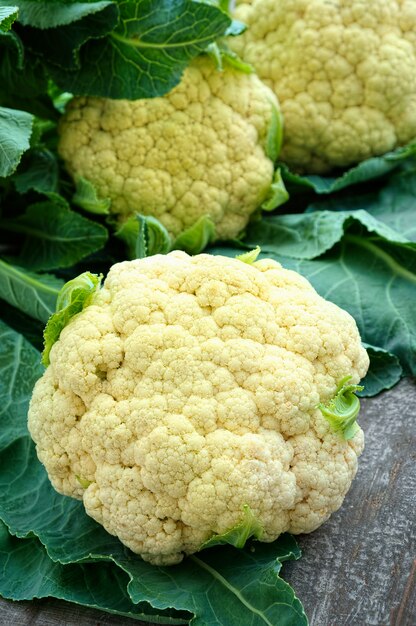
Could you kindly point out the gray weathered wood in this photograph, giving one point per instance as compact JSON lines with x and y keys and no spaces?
{"x":358,"y":569}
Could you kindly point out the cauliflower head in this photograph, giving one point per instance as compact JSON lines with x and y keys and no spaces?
{"x":204,"y":149}
{"x":187,"y":390}
{"x":344,"y":73}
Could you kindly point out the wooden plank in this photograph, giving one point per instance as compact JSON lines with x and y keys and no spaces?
{"x":359,"y":568}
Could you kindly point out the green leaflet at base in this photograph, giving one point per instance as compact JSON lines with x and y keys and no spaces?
{"x":342,"y":411}
{"x":277,"y":194}
{"x":222,"y":55}
{"x":274,"y":137}
{"x":74,"y":296}
{"x":144,"y":236}
{"x":218,"y":586}
{"x":87,"y":198}
{"x":239,"y":534}
{"x":196,"y":238}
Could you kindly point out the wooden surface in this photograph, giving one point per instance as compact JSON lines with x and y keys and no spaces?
{"x":358,"y":569}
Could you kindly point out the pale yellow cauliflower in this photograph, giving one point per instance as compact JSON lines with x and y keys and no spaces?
{"x":204,"y":149}
{"x":344,"y":72}
{"x":188,"y":390}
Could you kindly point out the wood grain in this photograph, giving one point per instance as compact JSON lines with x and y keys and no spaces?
{"x":358,"y":569}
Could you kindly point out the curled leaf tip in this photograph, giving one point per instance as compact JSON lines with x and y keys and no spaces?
{"x":74,"y":296}
{"x":342,"y":411}
{"x":249,"y":257}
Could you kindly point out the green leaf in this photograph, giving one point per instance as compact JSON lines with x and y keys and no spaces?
{"x":57,"y":35}
{"x":342,"y":411}
{"x":30,"y":328}
{"x":8,"y":14}
{"x":249,"y":257}
{"x":55,"y":236}
{"x":393,"y":204}
{"x":307,"y":236}
{"x":40,"y":14}
{"x":23,"y":81}
{"x":375,"y":281}
{"x":59,"y":98}
{"x":144,"y":236}
{"x":102,"y":586}
{"x":15,"y":132}
{"x":366,"y":170}
{"x":196,"y":238}
{"x":222,"y":55}
{"x":11,"y":48}
{"x":275,"y":135}
{"x":39,"y":173}
{"x":74,"y":296}
{"x":146,"y":53}
{"x":87,"y":198}
{"x":217,"y":586}
{"x":34,"y":294}
{"x":277,"y":195}
{"x":385,"y":372}
{"x":239,"y":534}
{"x":20,"y":367}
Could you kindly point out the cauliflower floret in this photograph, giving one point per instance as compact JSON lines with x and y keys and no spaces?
{"x":344,"y":73}
{"x":200,"y":150}
{"x":187,"y":390}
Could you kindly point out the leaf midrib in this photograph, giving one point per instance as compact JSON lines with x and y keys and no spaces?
{"x":396,"y":268}
{"x":228,"y":586}
{"x":26,"y":279}
{"x":139,"y":43}
{"x":42,"y":234}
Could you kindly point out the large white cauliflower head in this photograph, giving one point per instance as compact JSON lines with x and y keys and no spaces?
{"x":187,"y":390}
{"x":204,"y":149}
{"x":344,"y":72}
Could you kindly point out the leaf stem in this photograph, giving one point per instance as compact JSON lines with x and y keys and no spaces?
{"x":233,"y":590}
{"x":383,"y":256}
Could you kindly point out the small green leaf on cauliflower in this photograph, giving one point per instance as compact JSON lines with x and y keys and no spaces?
{"x":86,"y":197}
{"x":249,"y":257}
{"x":74,"y":296}
{"x":342,"y":411}
{"x":238,"y":535}
{"x":144,"y":236}
{"x":195,"y":238}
